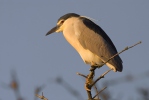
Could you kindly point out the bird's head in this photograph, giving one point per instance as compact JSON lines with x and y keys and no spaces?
{"x":60,"y":23}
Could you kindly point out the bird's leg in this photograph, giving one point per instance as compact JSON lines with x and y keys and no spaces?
{"x":89,"y":79}
{"x":92,"y":68}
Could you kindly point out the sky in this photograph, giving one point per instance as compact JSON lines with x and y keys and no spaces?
{"x":38,"y":59}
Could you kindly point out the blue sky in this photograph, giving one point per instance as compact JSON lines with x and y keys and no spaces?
{"x":38,"y":59}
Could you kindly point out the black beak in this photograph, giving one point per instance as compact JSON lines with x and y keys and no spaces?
{"x":52,"y":30}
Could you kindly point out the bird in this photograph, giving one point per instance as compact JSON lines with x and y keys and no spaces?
{"x":89,"y":40}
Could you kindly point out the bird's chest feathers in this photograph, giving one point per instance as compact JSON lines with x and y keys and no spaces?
{"x":72,"y":35}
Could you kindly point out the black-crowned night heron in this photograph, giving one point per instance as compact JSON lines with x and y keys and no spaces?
{"x":89,"y":40}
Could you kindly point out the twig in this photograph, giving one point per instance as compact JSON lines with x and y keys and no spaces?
{"x":38,"y":89}
{"x":96,"y":92}
{"x":41,"y":97}
{"x":126,"y":48}
{"x":102,"y":76}
{"x":99,"y":92}
{"x":82,"y":75}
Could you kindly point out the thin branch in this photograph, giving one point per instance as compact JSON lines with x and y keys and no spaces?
{"x":99,"y":92}
{"x":102,"y":76}
{"x":41,"y":97}
{"x":38,"y":89}
{"x":82,"y":75}
{"x":126,"y":48}
{"x":96,"y":92}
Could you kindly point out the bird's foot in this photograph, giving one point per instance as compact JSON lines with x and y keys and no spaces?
{"x":89,"y":79}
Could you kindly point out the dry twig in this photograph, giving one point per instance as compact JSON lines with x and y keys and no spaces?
{"x":41,"y":97}
{"x":99,"y":92}
{"x":126,"y":48}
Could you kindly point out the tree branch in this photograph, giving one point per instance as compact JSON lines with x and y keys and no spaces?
{"x":99,"y":92}
{"x":102,"y":76}
{"x":41,"y":97}
{"x":126,"y":48}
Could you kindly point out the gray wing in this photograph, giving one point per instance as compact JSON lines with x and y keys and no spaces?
{"x":97,"y":41}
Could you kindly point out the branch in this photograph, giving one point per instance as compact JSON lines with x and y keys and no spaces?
{"x":99,"y":92}
{"x":126,"y":48}
{"x":82,"y":75}
{"x":41,"y":97}
{"x":102,"y":76}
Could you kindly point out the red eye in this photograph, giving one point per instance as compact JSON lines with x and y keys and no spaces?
{"x":62,"y":22}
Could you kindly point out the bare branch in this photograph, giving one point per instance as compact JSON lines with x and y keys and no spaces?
{"x":102,"y":76}
{"x":82,"y":75}
{"x":99,"y":92}
{"x":126,"y":48}
{"x":96,"y":92}
{"x":41,"y":97}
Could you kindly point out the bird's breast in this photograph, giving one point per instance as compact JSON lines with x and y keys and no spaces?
{"x":87,"y":56}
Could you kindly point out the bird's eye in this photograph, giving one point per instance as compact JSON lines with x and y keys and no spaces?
{"x":62,"y":22}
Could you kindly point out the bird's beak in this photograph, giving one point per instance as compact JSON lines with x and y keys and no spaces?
{"x":54,"y":29}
